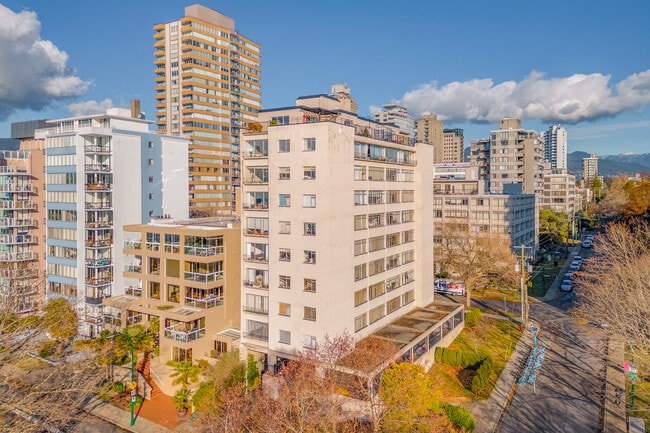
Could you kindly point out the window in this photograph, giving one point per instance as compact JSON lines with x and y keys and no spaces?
{"x":310,"y":257}
{"x":360,"y":322}
{"x":360,"y":197}
{"x":284,"y":146}
{"x":284,"y":309}
{"x":392,"y":239}
{"x":151,"y":161}
{"x":376,"y":243}
{"x":309,"y":144}
{"x":360,"y":222}
{"x":285,"y":337}
{"x":309,"y":313}
{"x":376,"y":173}
{"x":284,"y":200}
{"x":151,"y":196}
{"x":359,"y":247}
{"x":376,"y":313}
{"x":376,"y":290}
{"x":309,"y":229}
{"x":151,"y":145}
{"x":375,"y":220}
{"x":308,"y":342}
{"x":408,"y":216}
{"x":393,"y":283}
{"x":172,"y":292}
{"x":376,"y":266}
{"x":408,"y":297}
{"x":392,"y":218}
{"x":309,"y":200}
{"x":393,"y":304}
{"x":408,"y":236}
{"x":279,"y":120}
{"x":150,"y":179}
{"x":285,"y":282}
{"x":285,"y":255}
{"x":359,"y":172}
{"x":392,"y":261}
{"x":285,"y":173}
{"x":375,"y":197}
{"x":309,"y":285}
{"x":309,"y":172}
{"x":285,"y":227}
{"x":408,"y":256}
{"x":360,"y":272}
{"x":360,"y":297}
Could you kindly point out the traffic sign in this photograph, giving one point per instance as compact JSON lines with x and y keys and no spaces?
{"x":133,"y":385}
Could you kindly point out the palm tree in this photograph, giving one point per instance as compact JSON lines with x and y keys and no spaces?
{"x":184,"y":373}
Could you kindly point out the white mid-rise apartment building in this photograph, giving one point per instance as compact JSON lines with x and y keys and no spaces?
{"x":336,"y":225}
{"x":104,"y":171}
{"x":555,"y":141}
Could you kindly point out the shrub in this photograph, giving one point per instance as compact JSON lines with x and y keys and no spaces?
{"x":472,"y":317}
{"x":482,"y":377}
{"x":119,"y":388}
{"x":460,"y":417}
{"x":138,"y":400}
{"x":458,"y":358}
{"x":47,"y":349}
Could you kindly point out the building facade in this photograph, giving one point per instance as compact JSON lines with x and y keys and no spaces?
{"x":22,"y":232}
{"x":430,"y":130}
{"x":514,"y":155}
{"x":453,"y":147}
{"x":182,"y":278}
{"x":460,"y":198}
{"x":336,"y":226}
{"x":397,"y":115}
{"x":104,"y":171}
{"x":207,"y":85}
{"x":589,"y":169}
{"x":555,"y":146}
{"x":560,"y":192}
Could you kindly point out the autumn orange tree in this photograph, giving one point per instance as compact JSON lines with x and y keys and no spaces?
{"x":625,"y":198}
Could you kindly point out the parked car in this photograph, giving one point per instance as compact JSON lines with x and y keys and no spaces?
{"x":575,"y":266}
{"x":586,"y":244}
{"x":449,"y":287}
{"x":567,"y":285}
{"x":569,"y":275}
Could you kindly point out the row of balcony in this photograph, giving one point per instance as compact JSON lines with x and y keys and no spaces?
{"x":17,"y":222}
{"x":18,"y":256}
{"x":19,"y":204}
{"x":18,"y":239}
{"x":12,"y":187}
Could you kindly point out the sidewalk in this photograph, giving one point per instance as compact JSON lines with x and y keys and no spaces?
{"x":121,"y":417}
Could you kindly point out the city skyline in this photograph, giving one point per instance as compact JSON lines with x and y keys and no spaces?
{"x":591,"y":81}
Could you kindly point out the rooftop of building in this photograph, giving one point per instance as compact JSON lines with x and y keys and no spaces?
{"x":206,"y":223}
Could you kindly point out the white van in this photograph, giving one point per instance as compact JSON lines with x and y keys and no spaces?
{"x":449,"y":287}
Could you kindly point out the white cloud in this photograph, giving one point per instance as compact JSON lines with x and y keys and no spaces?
{"x":90,"y":107}
{"x":34,"y":72}
{"x":571,"y":99}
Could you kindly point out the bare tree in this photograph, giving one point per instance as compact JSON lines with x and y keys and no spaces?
{"x":477,"y":258}
{"x":614,"y":286}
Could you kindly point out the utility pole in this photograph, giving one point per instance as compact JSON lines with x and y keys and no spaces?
{"x":524,"y":289}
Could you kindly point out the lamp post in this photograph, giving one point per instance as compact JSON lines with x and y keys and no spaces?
{"x":133,"y":384}
{"x":523,"y":288}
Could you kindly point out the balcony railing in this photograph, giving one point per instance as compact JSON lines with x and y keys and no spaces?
{"x":99,"y":224}
{"x":98,"y":205}
{"x":133,"y":291}
{"x":99,"y":280}
{"x":255,"y":284}
{"x":134,"y":320}
{"x":203,"y":277}
{"x":11,"y":187}
{"x":137,"y":269}
{"x":18,"y":239}
{"x":18,"y":257}
{"x":98,"y":187}
{"x":132,"y":245}
{"x":21,"y":204}
{"x":210,"y":301}
{"x":203,"y":251}
{"x":260,"y":335}
{"x":256,"y":232}
{"x":256,"y":310}
{"x":257,"y":258}
{"x":92,"y":148}
{"x":102,"y":168}
{"x":254,"y":180}
{"x":256,"y":206}
{"x":17,"y":222}
{"x":175,"y":333}
{"x":96,"y":263}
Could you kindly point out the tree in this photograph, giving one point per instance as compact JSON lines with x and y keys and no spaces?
{"x":477,"y":258}
{"x":614,"y":287}
{"x":61,"y":319}
{"x":554,"y":222}
{"x":184,"y":373}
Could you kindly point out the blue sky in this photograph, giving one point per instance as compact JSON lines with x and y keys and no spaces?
{"x":584,"y":64}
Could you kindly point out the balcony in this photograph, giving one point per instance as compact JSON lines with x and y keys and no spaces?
{"x":134,"y":319}
{"x":133,"y":291}
{"x":12,"y":187}
{"x":133,"y":269}
{"x":210,"y":301}
{"x":256,"y":206}
{"x":132,"y":245}
{"x":95,"y":300}
{"x":203,"y":277}
{"x":256,"y":258}
{"x":101,"y":168}
{"x":254,"y":180}
{"x":256,"y":310}
{"x":256,"y":232}
{"x":18,"y":239}
{"x":99,"y":280}
{"x":100,"y":187}
{"x":98,"y":243}
{"x":179,"y":332}
{"x":90,"y":205}
{"x":17,"y":222}
{"x":261,"y":334}
{"x":18,"y":257}
{"x":20,"y":204}
{"x":256,"y":284}
{"x":99,"y":224}
{"x":203,"y":251}
{"x":97,"y":150}
{"x":98,"y":263}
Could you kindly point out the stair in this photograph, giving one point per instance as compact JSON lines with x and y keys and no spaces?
{"x":144,"y":368}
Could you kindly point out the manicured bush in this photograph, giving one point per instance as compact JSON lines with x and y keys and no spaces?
{"x":460,"y":417}
{"x":458,"y":358}
{"x":472,"y":317}
{"x":482,"y":377}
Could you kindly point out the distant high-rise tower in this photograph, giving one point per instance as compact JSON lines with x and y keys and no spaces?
{"x":396,"y":115}
{"x":589,"y":169}
{"x":207,"y":87}
{"x":555,"y":146}
{"x":453,"y":145}
{"x":429,"y":130}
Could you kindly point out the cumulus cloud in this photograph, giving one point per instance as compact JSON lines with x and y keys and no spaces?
{"x":34,"y":72}
{"x":573,"y":99}
{"x":90,"y":107}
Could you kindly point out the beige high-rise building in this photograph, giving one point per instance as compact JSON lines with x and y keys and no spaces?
{"x":513,"y":155}
{"x":22,"y":228}
{"x":429,"y":130}
{"x":336,"y":223}
{"x":207,"y":86}
{"x":589,"y":169}
{"x":453,"y":146}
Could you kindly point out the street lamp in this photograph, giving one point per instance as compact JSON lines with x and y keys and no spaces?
{"x":521,"y":266}
{"x":133,"y":382}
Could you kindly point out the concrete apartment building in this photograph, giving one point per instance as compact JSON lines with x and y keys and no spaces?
{"x":336,"y":225}
{"x":560,"y":192}
{"x":22,"y":228}
{"x":460,"y":197}
{"x":512,"y":155}
{"x":397,"y":115}
{"x":589,"y":169}
{"x":453,"y":147}
{"x":183,"y":276}
{"x":104,"y":171}
{"x":555,"y":141}
{"x":207,"y":84}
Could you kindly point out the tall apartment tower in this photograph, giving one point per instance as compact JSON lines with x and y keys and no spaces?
{"x":22,"y":232}
{"x":207,"y":85}
{"x":453,"y":147}
{"x":336,"y":225}
{"x":429,"y":130}
{"x":589,"y":169}
{"x":555,"y":146}
{"x":397,"y":115}
{"x":104,"y":171}
{"x":512,"y":155}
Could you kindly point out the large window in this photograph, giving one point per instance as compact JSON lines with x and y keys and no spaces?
{"x":284,"y":146}
{"x":285,"y":227}
{"x":360,"y":247}
{"x":309,"y":313}
{"x":309,"y":200}
{"x":360,"y":222}
{"x":360,"y":297}
{"x":285,"y":173}
{"x":360,"y":272}
{"x":310,"y":257}
{"x":284,"y":200}
{"x":309,"y":144}
{"x":360,"y":322}
{"x":309,"y":172}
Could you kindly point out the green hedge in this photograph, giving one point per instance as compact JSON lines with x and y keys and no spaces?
{"x":455,"y":357}
{"x":472,"y":317}
{"x":460,"y":417}
{"x":482,"y":376}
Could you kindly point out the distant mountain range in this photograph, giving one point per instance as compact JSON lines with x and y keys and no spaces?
{"x":611,"y":165}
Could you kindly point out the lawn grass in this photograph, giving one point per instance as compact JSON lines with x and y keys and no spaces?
{"x":490,"y":337}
